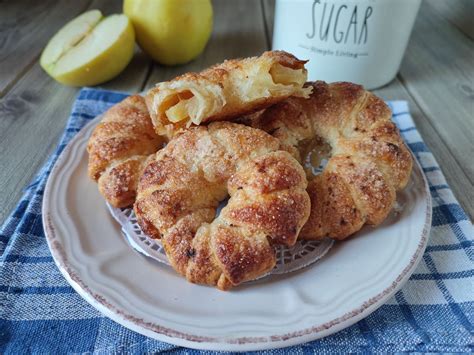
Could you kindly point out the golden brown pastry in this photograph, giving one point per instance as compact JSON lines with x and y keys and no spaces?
{"x":368,"y":161}
{"x":184,"y":182}
{"x":226,"y":91}
{"x":118,"y":149}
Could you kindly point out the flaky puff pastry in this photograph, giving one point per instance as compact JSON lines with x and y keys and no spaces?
{"x":226,"y":91}
{"x":118,"y":150}
{"x":368,"y":161}
{"x":184,"y":182}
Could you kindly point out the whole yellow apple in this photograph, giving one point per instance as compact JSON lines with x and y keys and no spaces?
{"x":171,"y":31}
{"x":90,"y":49}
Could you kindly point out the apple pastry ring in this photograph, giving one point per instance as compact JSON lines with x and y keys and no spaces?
{"x":368,"y":163}
{"x":184,"y":182}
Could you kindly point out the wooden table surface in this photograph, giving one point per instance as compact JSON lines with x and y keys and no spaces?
{"x":436,"y":77}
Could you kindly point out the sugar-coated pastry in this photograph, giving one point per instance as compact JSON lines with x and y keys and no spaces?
{"x":118,"y":149}
{"x":226,"y":91}
{"x":184,"y":182}
{"x":368,"y":161}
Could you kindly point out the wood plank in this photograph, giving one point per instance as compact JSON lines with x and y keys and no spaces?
{"x":455,"y":176}
{"x":33,"y":115}
{"x":438,"y":72}
{"x":25,"y":28}
{"x":238,"y":31}
{"x":458,"y":12}
{"x":133,"y":78}
{"x":269,"y":16}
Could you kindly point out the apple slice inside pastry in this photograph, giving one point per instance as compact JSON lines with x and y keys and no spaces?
{"x":226,"y":91}
{"x":287,"y":76}
{"x":184,"y":106}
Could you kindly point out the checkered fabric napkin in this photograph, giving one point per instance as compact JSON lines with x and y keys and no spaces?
{"x":40,"y":312}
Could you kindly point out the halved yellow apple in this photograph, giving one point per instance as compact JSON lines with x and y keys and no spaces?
{"x":90,"y":49}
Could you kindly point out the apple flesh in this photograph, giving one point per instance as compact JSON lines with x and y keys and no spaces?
{"x":90,"y":49}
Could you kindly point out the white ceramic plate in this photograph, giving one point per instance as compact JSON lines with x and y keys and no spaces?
{"x":354,"y":279}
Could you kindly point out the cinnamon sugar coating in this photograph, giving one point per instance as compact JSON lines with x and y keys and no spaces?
{"x":369,"y":161}
{"x":184,"y":182}
{"x":118,"y":150}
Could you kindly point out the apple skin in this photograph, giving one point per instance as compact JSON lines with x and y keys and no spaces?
{"x":105,"y":66}
{"x":171,"y":31}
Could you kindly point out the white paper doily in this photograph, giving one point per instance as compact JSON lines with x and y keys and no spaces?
{"x":302,"y":254}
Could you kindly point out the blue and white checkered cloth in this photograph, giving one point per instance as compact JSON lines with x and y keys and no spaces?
{"x":41,"y":313}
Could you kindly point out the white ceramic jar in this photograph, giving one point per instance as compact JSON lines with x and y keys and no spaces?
{"x":361,"y":41}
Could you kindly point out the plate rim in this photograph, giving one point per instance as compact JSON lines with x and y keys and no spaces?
{"x":180,"y":338}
